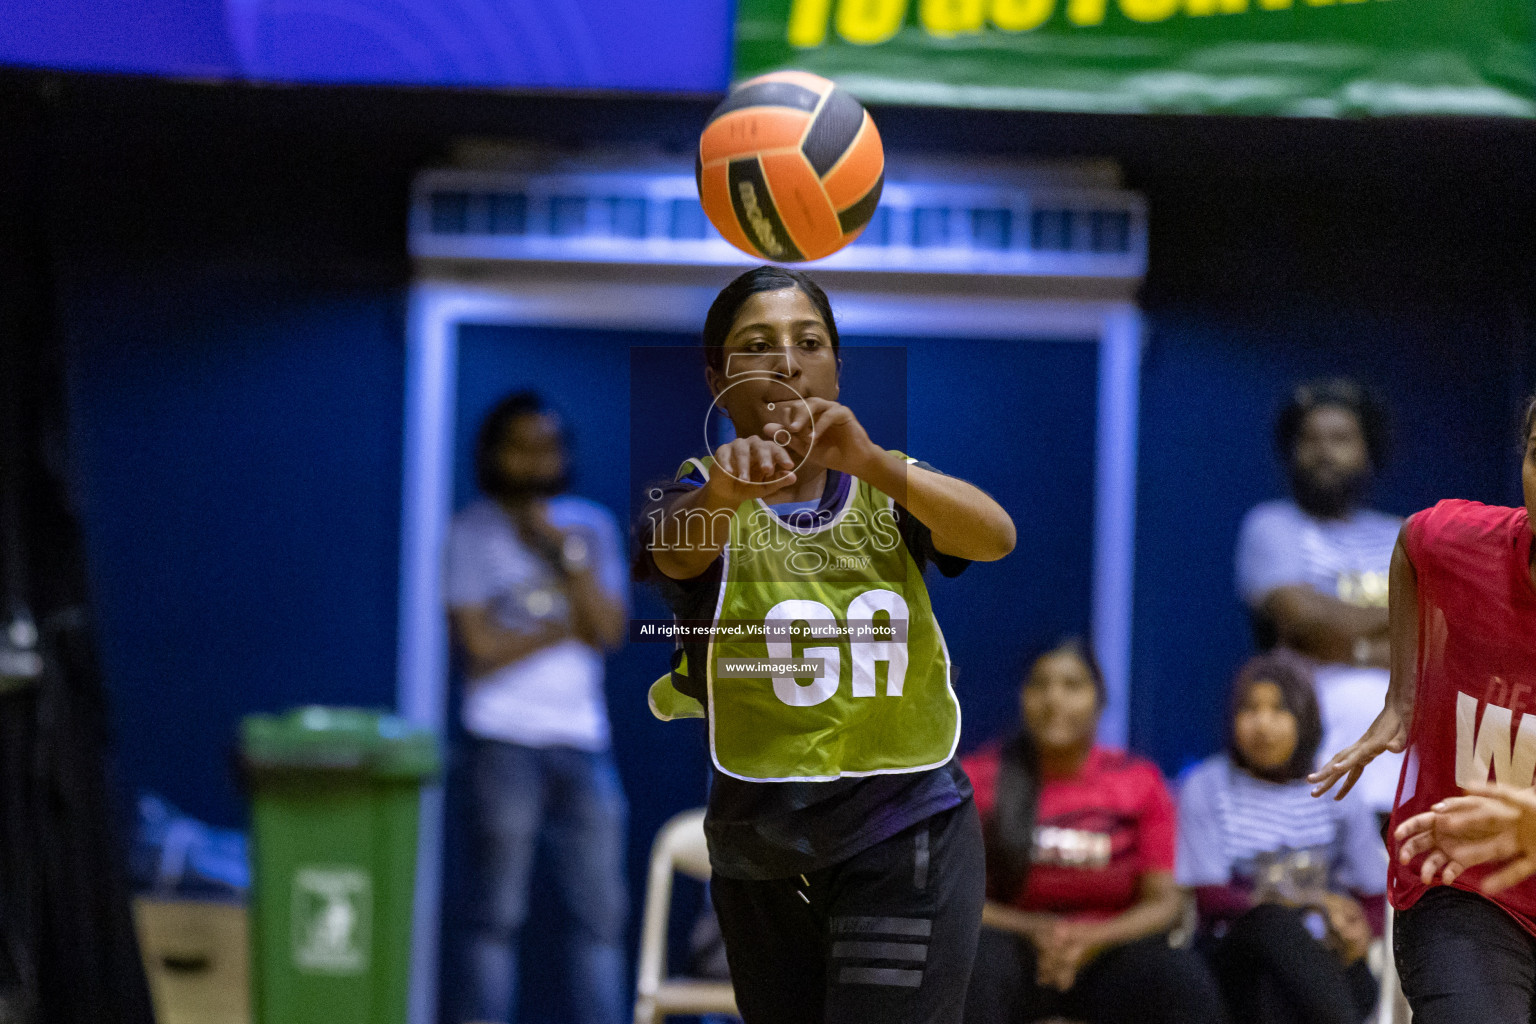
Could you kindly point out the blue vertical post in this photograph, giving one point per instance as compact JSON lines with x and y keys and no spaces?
{"x":423,"y":643}
{"x":1114,"y":528}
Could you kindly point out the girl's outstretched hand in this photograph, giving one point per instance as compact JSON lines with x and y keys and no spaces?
{"x":1388,"y":732}
{"x":750,"y":467}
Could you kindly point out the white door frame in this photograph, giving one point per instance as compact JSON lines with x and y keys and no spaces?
{"x":677,"y":303}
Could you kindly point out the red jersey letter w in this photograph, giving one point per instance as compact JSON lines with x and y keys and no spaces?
{"x":1489,"y":746}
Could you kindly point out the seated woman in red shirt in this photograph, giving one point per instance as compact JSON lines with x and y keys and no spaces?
{"x":1080,"y":851}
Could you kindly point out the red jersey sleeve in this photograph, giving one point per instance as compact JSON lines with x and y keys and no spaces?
{"x":1413,"y":533}
{"x":1158,"y":835}
{"x":1454,"y":533}
{"x":982,"y":768}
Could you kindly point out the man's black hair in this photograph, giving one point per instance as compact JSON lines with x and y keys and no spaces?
{"x":1010,"y":832}
{"x":1294,"y":679}
{"x":1341,"y":393}
{"x":493,"y":432}
{"x":723,"y":311}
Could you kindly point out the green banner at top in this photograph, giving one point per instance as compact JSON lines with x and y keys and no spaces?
{"x":1314,"y":58}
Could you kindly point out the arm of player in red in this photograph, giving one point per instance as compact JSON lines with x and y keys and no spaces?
{"x":1390,"y":729}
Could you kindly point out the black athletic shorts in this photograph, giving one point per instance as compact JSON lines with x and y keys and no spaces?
{"x":886,"y":936}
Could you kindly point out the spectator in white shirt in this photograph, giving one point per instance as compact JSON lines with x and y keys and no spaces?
{"x":536,"y":589}
{"x":1312,"y":569}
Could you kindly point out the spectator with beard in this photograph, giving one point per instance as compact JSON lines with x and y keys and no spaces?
{"x":1313,"y":569}
{"x":536,"y":589}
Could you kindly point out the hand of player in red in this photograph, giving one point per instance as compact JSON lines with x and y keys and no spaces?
{"x":1491,"y":824}
{"x":1388,"y":732}
{"x":826,"y":430}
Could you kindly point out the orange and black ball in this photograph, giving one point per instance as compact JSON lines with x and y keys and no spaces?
{"x":790,"y":167}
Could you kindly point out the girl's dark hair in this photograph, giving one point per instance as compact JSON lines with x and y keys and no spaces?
{"x":1293,"y":676}
{"x":1344,"y":394}
{"x":1010,"y":832}
{"x":493,"y":431}
{"x":1529,"y":421}
{"x":723,"y":311}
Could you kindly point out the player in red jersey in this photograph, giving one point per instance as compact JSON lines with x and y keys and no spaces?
{"x":1463,"y":638}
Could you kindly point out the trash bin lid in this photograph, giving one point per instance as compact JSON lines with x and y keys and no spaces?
{"x":326,"y":739}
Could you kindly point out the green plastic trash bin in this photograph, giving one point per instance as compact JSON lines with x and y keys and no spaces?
{"x":335,"y":794}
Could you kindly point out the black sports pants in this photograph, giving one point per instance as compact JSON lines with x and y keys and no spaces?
{"x":1141,"y":982}
{"x":1463,"y":959}
{"x":1273,"y":971}
{"x":886,"y":936}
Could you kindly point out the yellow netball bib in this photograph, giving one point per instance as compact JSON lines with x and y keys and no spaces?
{"x":847,"y":595}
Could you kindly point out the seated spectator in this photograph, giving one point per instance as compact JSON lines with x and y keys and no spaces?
{"x":1286,"y":885}
{"x":1080,"y":850}
{"x":1313,"y":569}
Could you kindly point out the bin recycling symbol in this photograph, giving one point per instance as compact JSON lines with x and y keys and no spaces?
{"x":332,"y":919}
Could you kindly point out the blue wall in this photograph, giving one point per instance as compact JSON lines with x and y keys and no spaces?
{"x":1401,"y":255}
{"x":680,"y":45}
{"x":1017,"y":419}
{"x":237,"y":446}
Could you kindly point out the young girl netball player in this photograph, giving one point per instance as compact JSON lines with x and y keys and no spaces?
{"x":1463,"y":635}
{"x":847,"y":854}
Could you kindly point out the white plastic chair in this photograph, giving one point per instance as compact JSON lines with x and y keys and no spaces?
{"x":679,"y":847}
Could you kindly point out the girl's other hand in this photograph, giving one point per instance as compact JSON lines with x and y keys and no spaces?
{"x":827,"y":431}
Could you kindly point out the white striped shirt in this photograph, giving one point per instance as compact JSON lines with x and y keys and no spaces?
{"x":1228,"y":819}
{"x":1281,"y":545}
